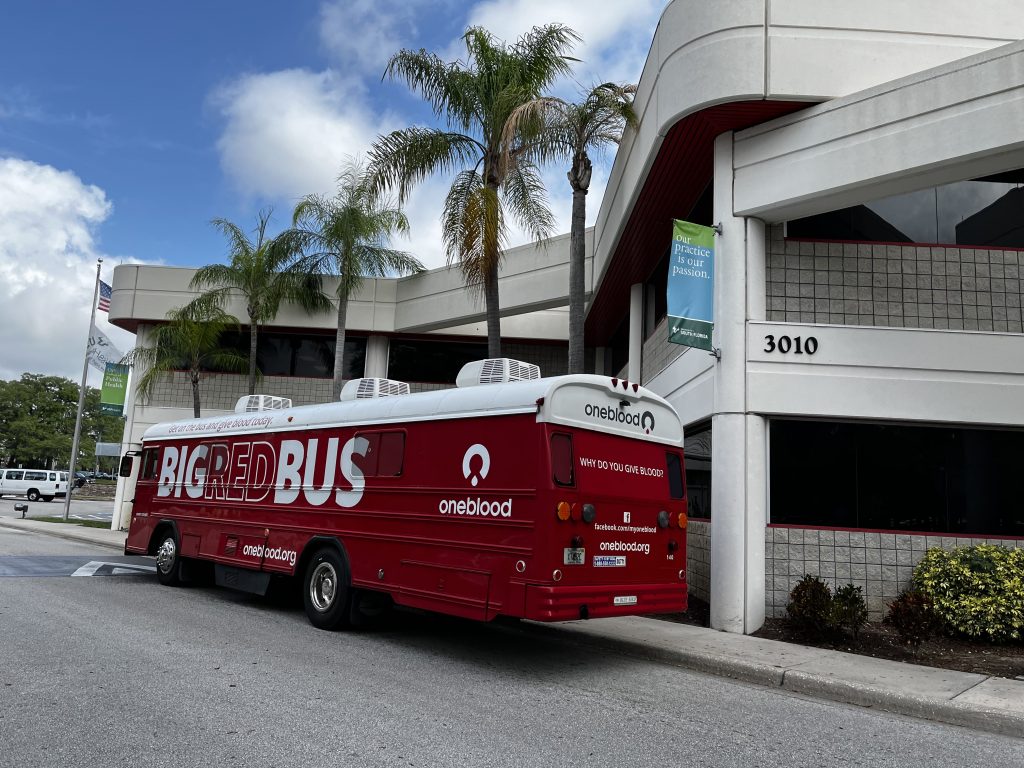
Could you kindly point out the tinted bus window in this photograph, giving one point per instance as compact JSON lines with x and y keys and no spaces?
{"x":561,"y":460}
{"x":385,"y":454}
{"x":673,"y":467}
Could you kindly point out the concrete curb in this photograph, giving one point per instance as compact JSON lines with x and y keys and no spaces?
{"x":69,"y":531}
{"x":905,"y":689}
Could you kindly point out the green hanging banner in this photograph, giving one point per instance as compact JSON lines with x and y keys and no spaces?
{"x":115,"y":385}
{"x":691,"y":285}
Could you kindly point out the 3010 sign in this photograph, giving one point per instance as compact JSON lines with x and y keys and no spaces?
{"x":798,"y":345}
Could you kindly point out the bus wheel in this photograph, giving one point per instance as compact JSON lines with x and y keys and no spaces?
{"x":325,"y":590}
{"x":32,"y":495}
{"x":168,"y":561}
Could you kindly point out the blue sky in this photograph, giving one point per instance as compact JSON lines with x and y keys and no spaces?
{"x":126,"y":126}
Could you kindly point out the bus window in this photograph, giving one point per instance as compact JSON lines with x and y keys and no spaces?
{"x":675,"y":475}
{"x":392,"y":454}
{"x":149,"y":464}
{"x":561,"y":459}
{"x":385,"y":454}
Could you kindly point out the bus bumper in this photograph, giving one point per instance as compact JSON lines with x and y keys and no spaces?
{"x":566,"y":603}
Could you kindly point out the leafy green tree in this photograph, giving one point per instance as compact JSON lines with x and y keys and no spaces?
{"x":572,"y":130}
{"x":37,"y":421}
{"x":350,"y":235}
{"x":189,"y":341}
{"x":493,"y":171}
{"x":265,"y":272}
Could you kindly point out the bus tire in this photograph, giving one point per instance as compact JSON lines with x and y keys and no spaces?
{"x":326,"y":592}
{"x":32,"y":495}
{"x":168,"y":558}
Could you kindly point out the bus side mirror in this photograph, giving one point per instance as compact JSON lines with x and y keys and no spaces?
{"x":127,"y":463}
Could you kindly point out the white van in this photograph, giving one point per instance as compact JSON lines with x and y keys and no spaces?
{"x":34,"y":484}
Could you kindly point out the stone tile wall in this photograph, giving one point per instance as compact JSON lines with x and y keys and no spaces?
{"x":880,"y":563}
{"x":893,"y":285}
{"x":698,"y":559}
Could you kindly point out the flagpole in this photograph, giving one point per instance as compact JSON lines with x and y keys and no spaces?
{"x":81,"y":397}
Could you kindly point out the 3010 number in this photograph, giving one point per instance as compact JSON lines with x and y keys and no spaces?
{"x":798,"y":345}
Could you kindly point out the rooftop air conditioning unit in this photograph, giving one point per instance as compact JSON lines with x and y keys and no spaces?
{"x":258,"y":403}
{"x":496,"y":370}
{"x":360,"y":389}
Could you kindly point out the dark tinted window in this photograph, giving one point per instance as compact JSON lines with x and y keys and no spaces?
{"x":675,"y":476}
{"x":149,"y":464}
{"x":384,"y":455}
{"x":15,"y":474}
{"x":35,"y":476}
{"x":697,"y":465}
{"x":897,"y":477}
{"x":987,"y":212}
{"x":297,"y":354}
{"x":561,"y":460}
{"x":431,"y":362}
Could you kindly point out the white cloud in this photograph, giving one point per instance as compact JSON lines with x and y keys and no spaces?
{"x":363,"y":34}
{"x":287,"y":133}
{"x":47,"y":270}
{"x":616,"y":34}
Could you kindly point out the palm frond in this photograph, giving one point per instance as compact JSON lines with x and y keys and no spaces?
{"x":406,"y":157}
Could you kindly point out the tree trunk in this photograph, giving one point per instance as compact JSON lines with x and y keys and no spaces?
{"x":339,"y":342}
{"x":577,"y":267}
{"x":195,"y":393}
{"x":492,"y":308}
{"x":253,"y":330}
{"x":492,"y":305}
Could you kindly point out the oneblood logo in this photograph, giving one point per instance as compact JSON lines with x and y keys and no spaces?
{"x":475,"y":507}
{"x":477,"y":456}
{"x":644,"y":421}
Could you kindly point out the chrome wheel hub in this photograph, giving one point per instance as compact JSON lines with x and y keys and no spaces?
{"x":165,"y":556}
{"x":323,"y":586}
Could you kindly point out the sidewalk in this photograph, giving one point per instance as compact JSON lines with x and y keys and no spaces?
{"x":103,"y":537}
{"x":984,"y":703}
{"x":981,"y":702}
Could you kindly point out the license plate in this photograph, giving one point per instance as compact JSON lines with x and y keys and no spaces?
{"x":624,"y":600}
{"x":574,"y":556}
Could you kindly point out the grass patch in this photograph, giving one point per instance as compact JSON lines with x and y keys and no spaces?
{"x":85,"y":523}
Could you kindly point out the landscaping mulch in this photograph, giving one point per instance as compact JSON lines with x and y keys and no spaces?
{"x":882,"y":642}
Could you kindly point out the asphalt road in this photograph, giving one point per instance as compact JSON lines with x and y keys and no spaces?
{"x":120,"y":671}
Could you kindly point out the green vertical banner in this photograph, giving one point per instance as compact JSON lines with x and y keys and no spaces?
{"x":115,"y":385}
{"x":691,"y":285}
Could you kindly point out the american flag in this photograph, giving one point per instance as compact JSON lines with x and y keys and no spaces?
{"x":104,"y":303}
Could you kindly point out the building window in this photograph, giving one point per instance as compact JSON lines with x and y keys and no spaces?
{"x":986,"y":212}
{"x":897,"y":477}
{"x":305,"y":355}
{"x":697,"y":463}
{"x":427,"y":361}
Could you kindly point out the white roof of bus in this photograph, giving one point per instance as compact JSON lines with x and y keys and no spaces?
{"x":462,"y":402}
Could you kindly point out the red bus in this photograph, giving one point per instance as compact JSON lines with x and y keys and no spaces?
{"x":547,"y":499}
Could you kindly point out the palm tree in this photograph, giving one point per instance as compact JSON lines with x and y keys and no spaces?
{"x":493,"y":172}
{"x":573,"y":130}
{"x":190,"y":340}
{"x":265,"y":273}
{"x":350,"y":235}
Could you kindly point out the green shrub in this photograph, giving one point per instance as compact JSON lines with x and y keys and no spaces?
{"x":810,"y":607}
{"x":913,"y":616}
{"x":849,"y":611}
{"x":977,"y":591}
